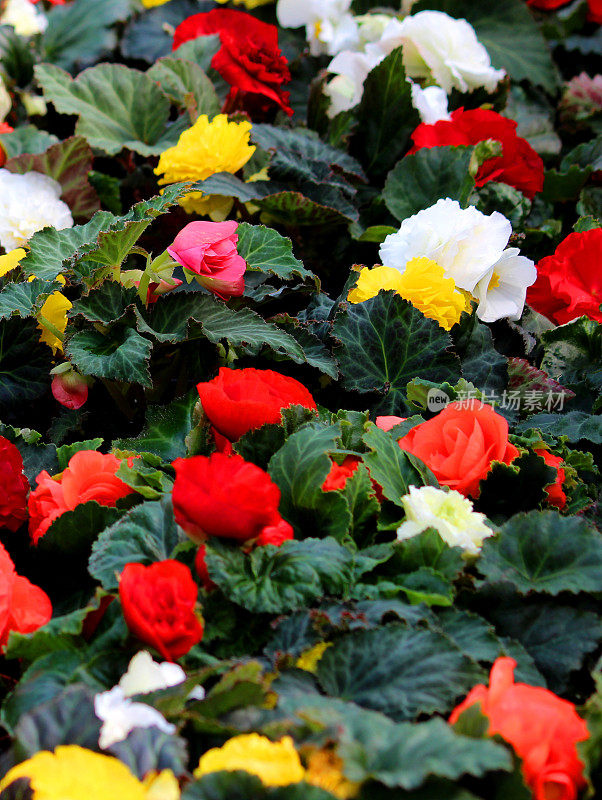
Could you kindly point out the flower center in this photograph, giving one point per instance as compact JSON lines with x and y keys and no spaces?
{"x":494,"y":281}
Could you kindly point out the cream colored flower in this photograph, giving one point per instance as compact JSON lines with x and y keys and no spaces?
{"x":25,"y":18}
{"x":29,"y":203}
{"x":449,"y":512}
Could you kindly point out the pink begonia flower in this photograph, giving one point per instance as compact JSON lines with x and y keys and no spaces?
{"x":70,"y":389}
{"x":387,"y":422}
{"x":208,"y":249}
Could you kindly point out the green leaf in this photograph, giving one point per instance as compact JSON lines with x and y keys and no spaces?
{"x":43,"y":680}
{"x":392,"y":468}
{"x":587,"y":154}
{"x":115,"y":241}
{"x":26,"y":139}
{"x":65,"y":452}
{"x":473,"y":634}
{"x":557,"y":637}
{"x":25,"y":299}
{"x":186,"y":84}
{"x":300,"y":468}
{"x":117,"y":107}
{"x":146,"y":534}
{"x":62,"y":634}
{"x":396,"y":670}
{"x":109,"y":303}
{"x":575,"y":425}
{"x":384,"y":342}
{"x":121,"y":355}
{"x":36,"y":455}
{"x":50,"y":251}
{"x":171,"y":321}
{"x":427,"y":549}
{"x":509,"y":33}
{"x":74,"y":531}
{"x":25,"y":363}
{"x":275,"y":580}
{"x":145,"y":477}
{"x":147,"y":36}
{"x":264,"y":249}
{"x":560,"y":187}
{"x":419,"y":180}
{"x":386,"y":115}
{"x":402,"y":754}
{"x":572,"y":352}
{"x":66,"y":719}
{"x":544,"y":552}
{"x":166,"y":429}
{"x":240,"y":785}
{"x":296,"y":209}
{"x":79,"y":33}
{"x":524,"y":480}
{"x":147,"y":749}
{"x":68,"y":162}
{"x":482,"y":365}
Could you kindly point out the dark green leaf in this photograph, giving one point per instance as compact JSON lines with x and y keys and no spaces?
{"x":300,"y":468}
{"x":279,"y":579}
{"x":166,"y":429}
{"x":398,"y":671}
{"x":386,"y":115}
{"x":146,"y":534}
{"x":79,"y":33}
{"x":74,"y":531}
{"x":264,"y":249}
{"x":420,"y":179}
{"x":384,"y":343}
{"x":121,"y":355}
{"x":544,"y":552}
{"x":25,"y":363}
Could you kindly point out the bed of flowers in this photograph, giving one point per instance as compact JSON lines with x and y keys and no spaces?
{"x":300,"y":399}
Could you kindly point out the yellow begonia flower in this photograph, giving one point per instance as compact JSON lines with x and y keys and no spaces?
{"x":11,"y":260}
{"x":325,"y":769}
{"x":153,"y":3}
{"x":201,"y":151}
{"x":77,"y":774}
{"x":54,"y":311}
{"x":275,"y":763}
{"x":162,"y":786}
{"x":310,"y":658}
{"x":248,"y":4}
{"x":422,"y":283}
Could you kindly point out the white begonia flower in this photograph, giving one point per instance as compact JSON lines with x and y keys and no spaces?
{"x":501,"y":292}
{"x":446,"y":51}
{"x":25,"y":18}
{"x":29,"y":203}
{"x":431,"y":103}
{"x":346,"y":89}
{"x":329,"y":25}
{"x":120,"y":716}
{"x":449,"y":512}
{"x":464,"y":241}
{"x":145,"y":675}
{"x":378,"y":36}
